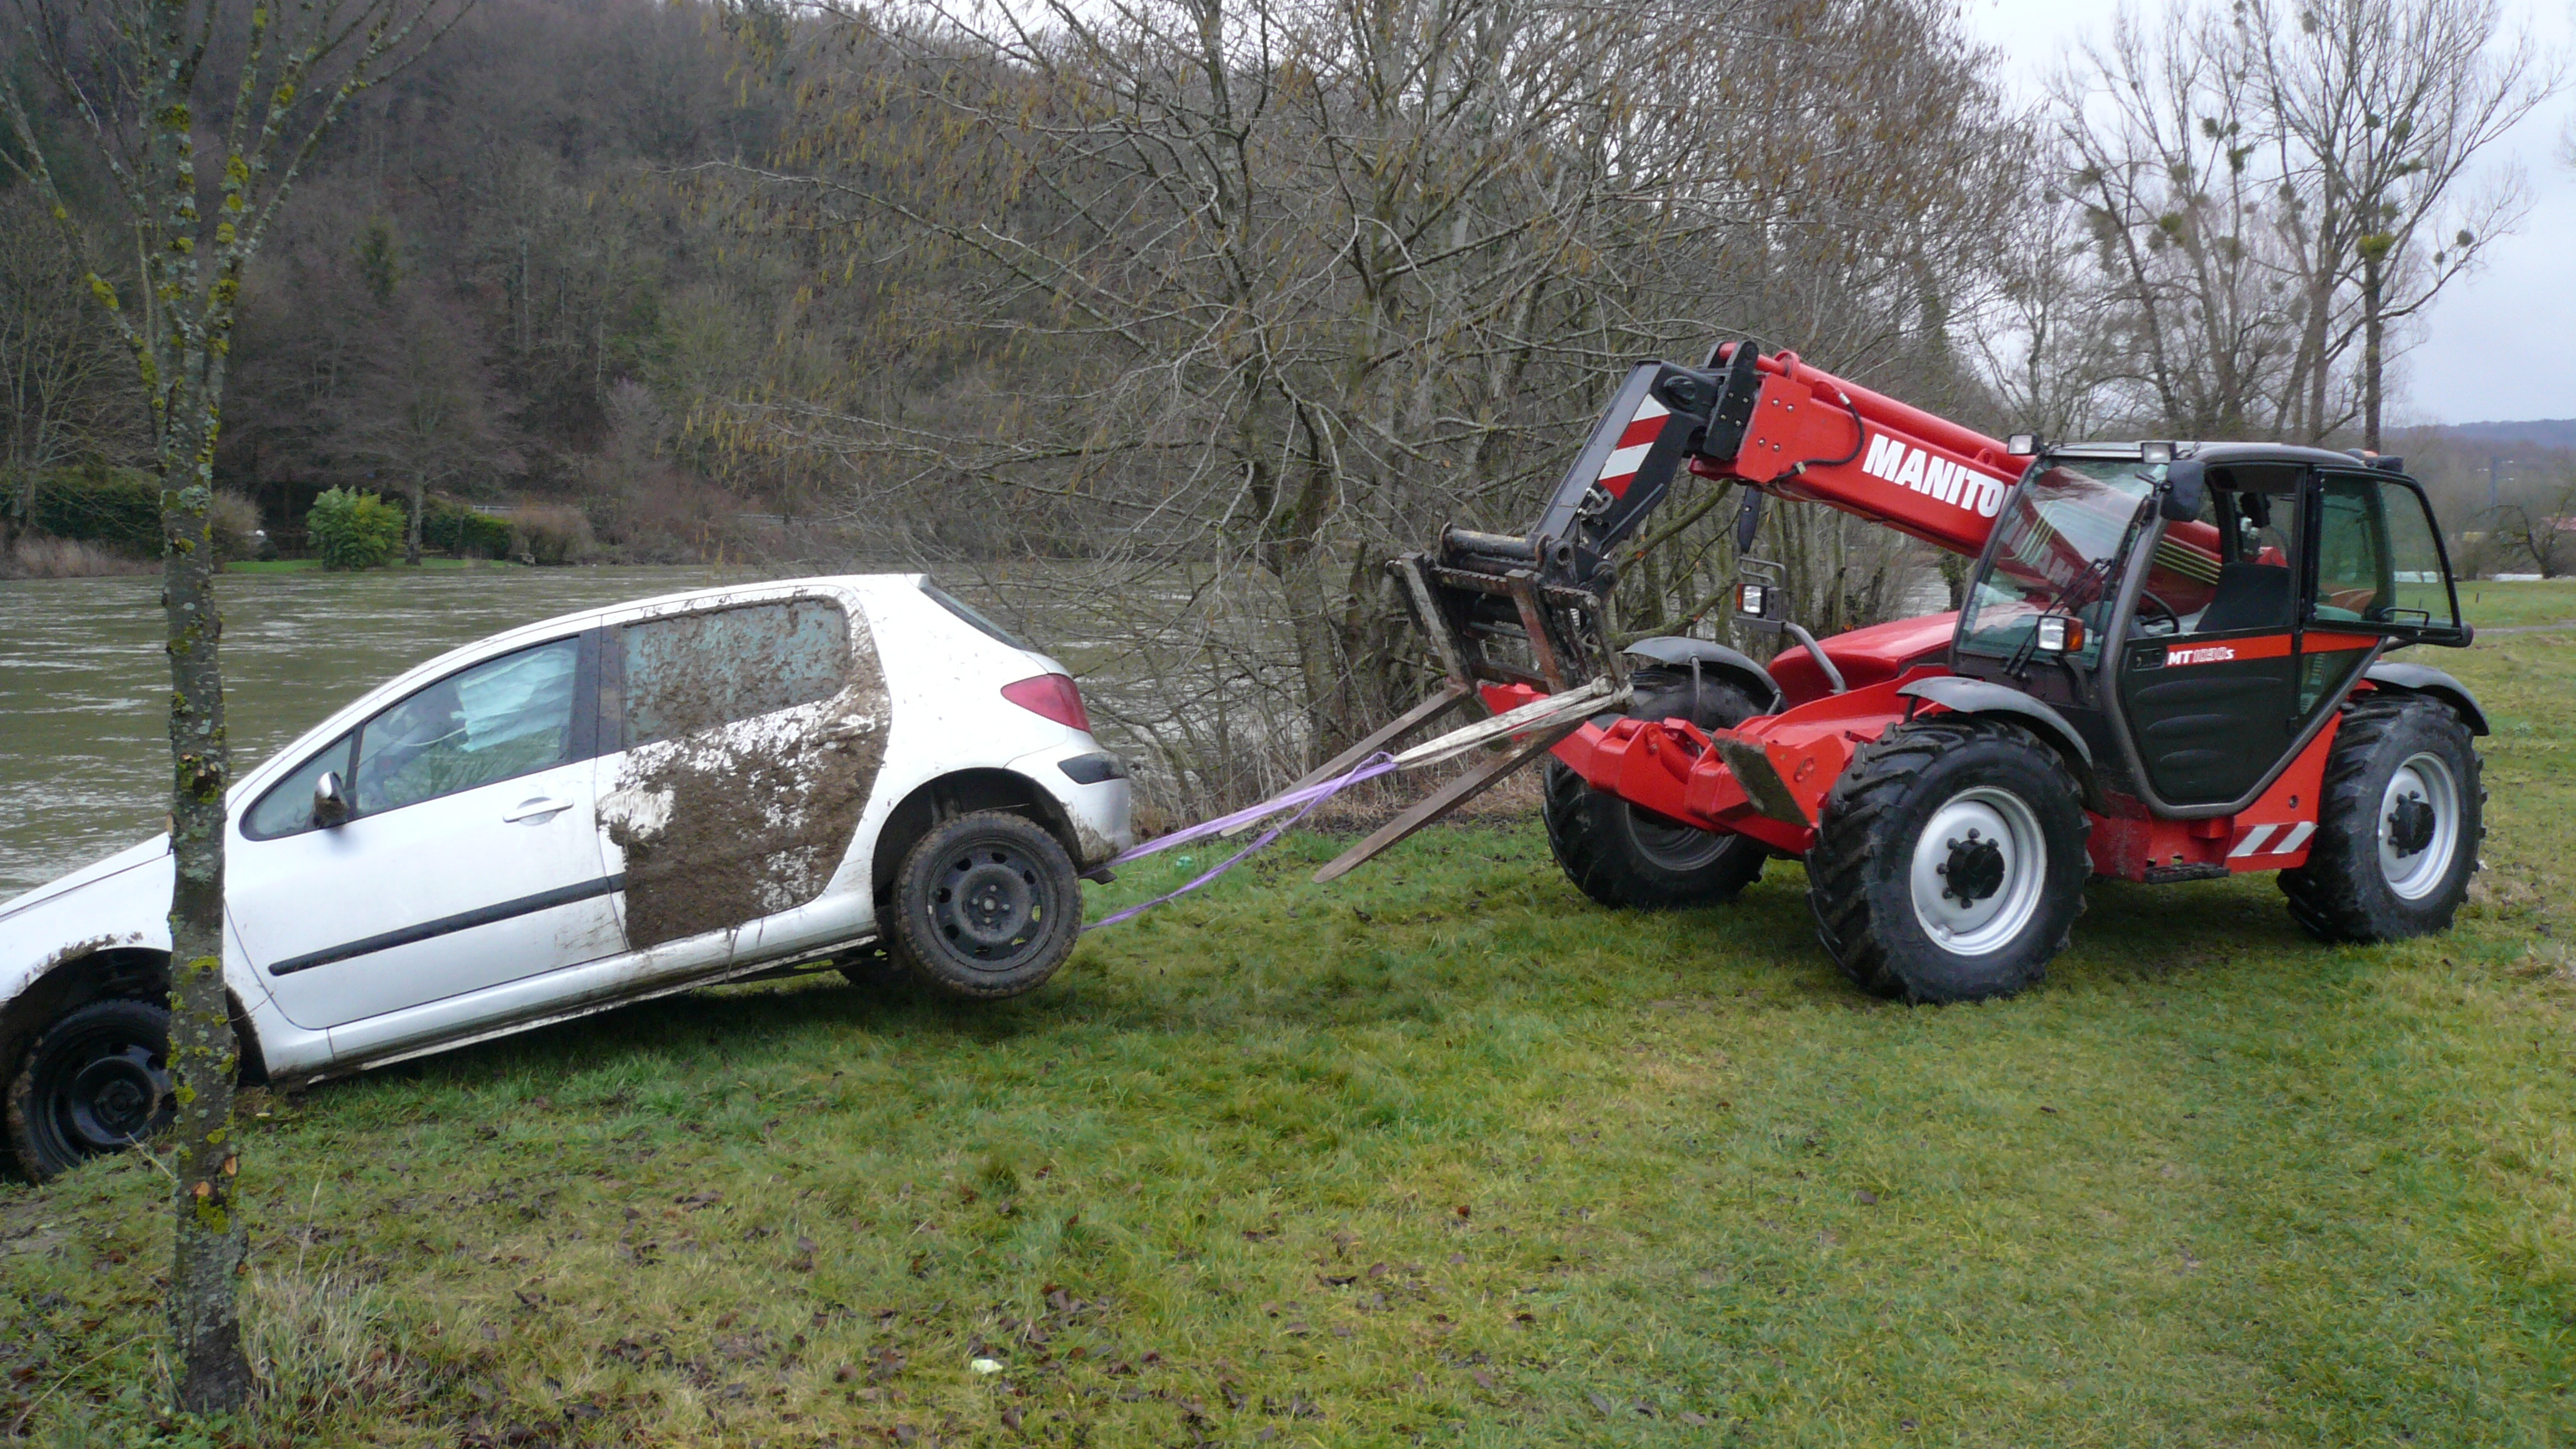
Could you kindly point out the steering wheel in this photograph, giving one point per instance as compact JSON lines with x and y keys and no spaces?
{"x":2165,"y":621}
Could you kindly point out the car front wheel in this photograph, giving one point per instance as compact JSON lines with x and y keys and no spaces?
{"x":96,"y":1081}
{"x":986,"y":905}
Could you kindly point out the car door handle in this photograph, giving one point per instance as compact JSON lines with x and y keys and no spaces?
{"x":539,"y":810}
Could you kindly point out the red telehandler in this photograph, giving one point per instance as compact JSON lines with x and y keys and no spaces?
{"x":2171,"y":665}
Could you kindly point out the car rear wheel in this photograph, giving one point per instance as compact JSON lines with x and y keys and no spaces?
{"x":96,"y":1081}
{"x":986,"y":905}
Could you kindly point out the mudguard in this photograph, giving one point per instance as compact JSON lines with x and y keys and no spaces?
{"x":1731,"y":665}
{"x":1961,"y":695}
{"x":2410,"y":678}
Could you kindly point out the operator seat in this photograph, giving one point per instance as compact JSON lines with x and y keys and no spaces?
{"x":2249,"y":596}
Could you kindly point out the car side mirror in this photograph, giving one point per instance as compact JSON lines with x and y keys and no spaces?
{"x":330,"y":802}
{"x":2186,"y":488}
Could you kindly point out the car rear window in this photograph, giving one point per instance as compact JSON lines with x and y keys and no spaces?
{"x":693,"y":672}
{"x":966,"y":611}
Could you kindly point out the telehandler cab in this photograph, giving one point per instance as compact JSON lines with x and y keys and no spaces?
{"x":2172,"y":665}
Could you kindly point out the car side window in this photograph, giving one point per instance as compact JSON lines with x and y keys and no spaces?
{"x":499,"y":719}
{"x":287,"y":808}
{"x":693,"y":672}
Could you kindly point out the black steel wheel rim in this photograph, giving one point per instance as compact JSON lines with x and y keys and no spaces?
{"x":990,"y":902}
{"x":1671,"y":845}
{"x":103,"y":1092}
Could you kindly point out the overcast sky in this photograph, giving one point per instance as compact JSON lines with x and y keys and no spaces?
{"x":2501,"y":343}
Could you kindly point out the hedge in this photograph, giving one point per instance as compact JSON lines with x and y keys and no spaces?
{"x":118,"y":508}
{"x":457,"y":529}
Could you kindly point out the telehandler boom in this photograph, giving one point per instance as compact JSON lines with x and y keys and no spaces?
{"x":2171,"y":664}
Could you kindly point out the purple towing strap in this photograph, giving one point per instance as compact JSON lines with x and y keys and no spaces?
{"x":1303,"y":801}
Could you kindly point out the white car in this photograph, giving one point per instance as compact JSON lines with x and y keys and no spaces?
{"x":597,"y":809}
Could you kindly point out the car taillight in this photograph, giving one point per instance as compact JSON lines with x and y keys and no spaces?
{"x":1052,"y":695}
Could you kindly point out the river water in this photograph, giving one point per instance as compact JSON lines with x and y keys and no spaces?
{"x":85,"y":687}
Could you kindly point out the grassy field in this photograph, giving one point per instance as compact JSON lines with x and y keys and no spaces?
{"x":1443,"y":1155}
{"x":315,"y":565}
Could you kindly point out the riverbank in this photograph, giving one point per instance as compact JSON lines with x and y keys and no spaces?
{"x":1442,"y":1152}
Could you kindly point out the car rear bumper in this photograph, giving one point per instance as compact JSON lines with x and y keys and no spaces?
{"x":1097,"y":803}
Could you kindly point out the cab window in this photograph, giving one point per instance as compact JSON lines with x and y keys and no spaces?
{"x":500,"y":719}
{"x":2379,"y":562}
{"x":2235,"y":567}
{"x":694,"y":672}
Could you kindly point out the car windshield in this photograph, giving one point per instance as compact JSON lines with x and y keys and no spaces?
{"x":2057,"y":546}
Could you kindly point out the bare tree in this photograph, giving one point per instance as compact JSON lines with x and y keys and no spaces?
{"x":2542,"y":527}
{"x":1236,"y":300}
{"x":2377,"y":108}
{"x":2159,"y":135}
{"x":69,"y":394}
{"x":149,"y":82}
{"x":2275,"y":188}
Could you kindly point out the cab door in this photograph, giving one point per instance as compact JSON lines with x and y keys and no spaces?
{"x":2380,"y":575}
{"x":2208,"y":679}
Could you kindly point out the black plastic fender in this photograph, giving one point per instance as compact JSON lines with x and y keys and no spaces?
{"x":2410,"y":678}
{"x":1727,"y":664}
{"x":1962,"y":695}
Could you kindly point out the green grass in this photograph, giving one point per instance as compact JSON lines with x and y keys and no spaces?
{"x":314,"y":565}
{"x":1442,"y":1154}
{"x":2492,"y":605}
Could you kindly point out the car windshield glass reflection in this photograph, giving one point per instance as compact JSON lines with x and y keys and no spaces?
{"x":494,"y":721}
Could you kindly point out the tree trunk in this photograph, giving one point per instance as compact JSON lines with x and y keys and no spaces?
{"x":2374,"y":328}
{"x":205,"y":1321}
{"x":411,"y":540}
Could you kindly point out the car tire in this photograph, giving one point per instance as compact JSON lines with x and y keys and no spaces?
{"x":96,"y":1081}
{"x":1622,"y":856}
{"x":985,"y":906}
{"x":1931,"y":805}
{"x":2403,"y":773}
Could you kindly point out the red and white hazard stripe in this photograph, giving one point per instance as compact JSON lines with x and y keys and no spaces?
{"x":1635,"y":441}
{"x":2261,"y":840}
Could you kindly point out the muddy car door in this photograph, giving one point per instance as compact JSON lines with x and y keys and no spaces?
{"x":748,"y":733}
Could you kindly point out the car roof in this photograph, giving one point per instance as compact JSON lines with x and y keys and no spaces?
{"x":495,"y":645}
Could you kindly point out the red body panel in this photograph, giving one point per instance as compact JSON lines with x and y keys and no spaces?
{"x":1677,"y":771}
{"x":1865,"y":656}
{"x":1891,"y":464}
{"x":2274,"y":833}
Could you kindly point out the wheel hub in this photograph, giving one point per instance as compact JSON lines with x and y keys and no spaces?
{"x":987,"y":903}
{"x":2410,"y":824}
{"x":2419,"y":827}
{"x":1979,"y":871}
{"x":113,"y":1099}
{"x":1975,"y":869}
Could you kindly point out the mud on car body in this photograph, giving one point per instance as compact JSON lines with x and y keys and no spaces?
{"x":601,"y":808}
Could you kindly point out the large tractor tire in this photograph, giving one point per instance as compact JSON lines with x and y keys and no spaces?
{"x":1621,"y":855}
{"x":1949,"y":862}
{"x":2398,"y":825}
